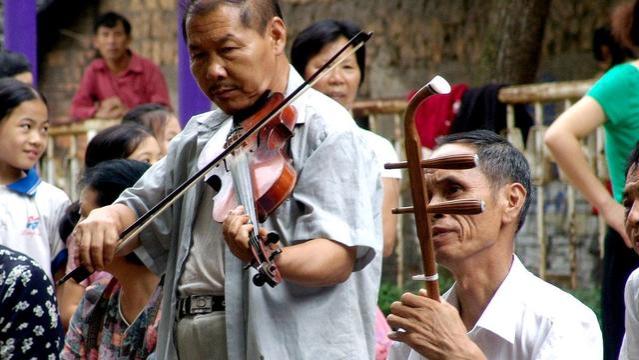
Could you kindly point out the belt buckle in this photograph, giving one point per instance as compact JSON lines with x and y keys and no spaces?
{"x":200,"y":304}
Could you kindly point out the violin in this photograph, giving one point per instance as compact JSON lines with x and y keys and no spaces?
{"x":231,"y":156}
{"x":260,"y":182}
{"x":419,"y":194}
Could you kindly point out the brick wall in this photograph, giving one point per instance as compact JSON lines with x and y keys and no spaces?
{"x":154,"y":32}
{"x":415,"y":39}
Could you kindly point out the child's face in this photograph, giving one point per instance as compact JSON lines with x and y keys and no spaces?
{"x":23,"y":138}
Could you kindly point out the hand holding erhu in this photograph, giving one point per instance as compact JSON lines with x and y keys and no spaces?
{"x":415,"y":166}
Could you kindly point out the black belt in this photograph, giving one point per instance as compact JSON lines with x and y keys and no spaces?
{"x":200,"y":304}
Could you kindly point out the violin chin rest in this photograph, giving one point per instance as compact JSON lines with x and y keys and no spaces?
{"x":215,"y":183}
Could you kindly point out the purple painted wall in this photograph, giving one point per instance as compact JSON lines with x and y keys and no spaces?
{"x":20,"y":30}
{"x":191,"y":100}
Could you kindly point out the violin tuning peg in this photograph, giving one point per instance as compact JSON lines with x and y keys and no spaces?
{"x":403,"y":210}
{"x":272,"y":238}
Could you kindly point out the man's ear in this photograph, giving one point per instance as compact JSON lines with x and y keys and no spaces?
{"x":514,"y":199}
{"x":276,"y":32}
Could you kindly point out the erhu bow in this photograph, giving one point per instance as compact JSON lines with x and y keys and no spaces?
{"x":416,"y":166}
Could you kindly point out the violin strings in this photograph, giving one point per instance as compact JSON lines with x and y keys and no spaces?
{"x":242,"y":181}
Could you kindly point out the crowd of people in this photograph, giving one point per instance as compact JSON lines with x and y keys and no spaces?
{"x":188,"y":289}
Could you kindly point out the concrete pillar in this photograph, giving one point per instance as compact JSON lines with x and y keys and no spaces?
{"x":21,"y":30}
{"x":191,"y":100}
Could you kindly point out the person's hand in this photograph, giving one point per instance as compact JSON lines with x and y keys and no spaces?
{"x":97,"y":237}
{"x":615,"y":214}
{"x":433,"y":329}
{"x":236,"y":230}
{"x":110,"y":108}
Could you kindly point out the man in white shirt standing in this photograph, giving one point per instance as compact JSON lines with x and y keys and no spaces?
{"x":630,"y":344}
{"x":496,"y":309}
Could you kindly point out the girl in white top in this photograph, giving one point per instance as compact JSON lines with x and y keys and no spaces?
{"x":30,"y":209}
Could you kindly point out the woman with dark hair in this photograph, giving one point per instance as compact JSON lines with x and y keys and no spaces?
{"x":30,"y":209}
{"x":158,"y":119}
{"x":318,"y":43}
{"x":311,"y":49}
{"x":124,"y":141}
{"x":613,"y":102}
{"x":117,"y":317}
{"x":15,"y":65}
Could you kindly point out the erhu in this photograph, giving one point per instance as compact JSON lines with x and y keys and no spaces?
{"x":416,"y":166}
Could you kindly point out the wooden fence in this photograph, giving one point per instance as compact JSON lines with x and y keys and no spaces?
{"x":62,"y":163}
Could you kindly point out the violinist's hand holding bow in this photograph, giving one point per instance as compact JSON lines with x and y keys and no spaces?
{"x":433,"y":329}
{"x":98,"y":234}
{"x":236,"y":229}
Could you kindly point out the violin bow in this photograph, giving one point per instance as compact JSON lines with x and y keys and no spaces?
{"x":129,"y":240}
{"x":416,"y":166}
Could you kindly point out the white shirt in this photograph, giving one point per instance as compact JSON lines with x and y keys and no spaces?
{"x":385,"y":153}
{"x":528,"y":318}
{"x":29,"y":223}
{"x":630,"y":345}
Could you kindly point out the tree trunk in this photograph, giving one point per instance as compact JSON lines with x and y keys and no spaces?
{"x":518,"y":35}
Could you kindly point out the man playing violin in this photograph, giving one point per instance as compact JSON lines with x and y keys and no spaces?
{"x":496,"y":309}
{"x":329,"y":226}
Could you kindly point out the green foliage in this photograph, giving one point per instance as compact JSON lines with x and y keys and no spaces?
{"x":590,"y":297}
{"x":387,"y":294}
{"x":390,"y":292}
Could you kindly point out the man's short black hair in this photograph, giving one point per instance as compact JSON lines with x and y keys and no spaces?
{"x":13,"y":63}
{"x":311,"y":40}
{"x":255,"y":14}
{"x":499,"y":161}
{"x":111,"y":20}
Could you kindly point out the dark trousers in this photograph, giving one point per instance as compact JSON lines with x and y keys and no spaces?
{"x":619,"y":262}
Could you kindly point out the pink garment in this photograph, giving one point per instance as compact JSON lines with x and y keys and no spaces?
{"x":141,"y":83}
{"x":74,"y":261}
{"x":434,"y":115}
{"x":382,"y":342}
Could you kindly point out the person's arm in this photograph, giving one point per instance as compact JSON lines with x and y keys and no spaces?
{"x":99,"y":233}
{"x":74,"y":340}
{"x":389,"y":220}
{"x":83,"y":105}
{"x":317,"y":262}
{"x":562,"y":139}
{"x":69,"y":296}
{"x":433,"y":329}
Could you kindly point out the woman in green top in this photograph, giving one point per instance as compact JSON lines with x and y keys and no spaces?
{"x":613,"y":102}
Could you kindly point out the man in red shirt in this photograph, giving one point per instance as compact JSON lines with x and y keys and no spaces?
{"x":118,"y":79}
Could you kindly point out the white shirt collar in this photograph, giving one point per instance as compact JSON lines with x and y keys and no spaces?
{"x":503,"y":310}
